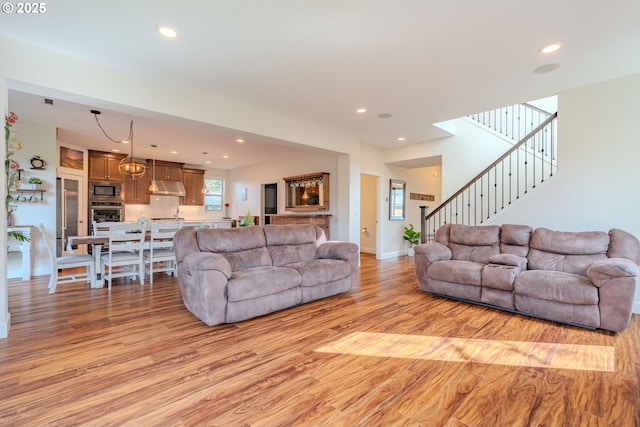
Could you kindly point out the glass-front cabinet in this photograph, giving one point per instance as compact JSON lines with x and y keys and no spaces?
{"x":308,"y":192}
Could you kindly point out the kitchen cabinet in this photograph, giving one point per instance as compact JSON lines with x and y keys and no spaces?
{"x":193,"y":180}
{"x":321,"y":220}
{"x":103,"y":166}
{"x":171,"y":171}
{"x":137,"y":191}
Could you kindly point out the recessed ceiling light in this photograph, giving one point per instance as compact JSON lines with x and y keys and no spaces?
{"x":402,"y":139}
{"x":115,"y":150}
{"x":361,"y":110}
{"x":551,"y":47}
{"x":207,"y":161}
{"x":167,"y":31}
{"x":240,"y":141}
{"x":173,"y":152}
{"x":225,"y":157}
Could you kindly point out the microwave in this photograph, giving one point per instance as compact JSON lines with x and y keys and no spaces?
{"x":102,"y":190}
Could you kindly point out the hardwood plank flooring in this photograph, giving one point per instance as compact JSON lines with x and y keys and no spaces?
{"x":385,"y":354}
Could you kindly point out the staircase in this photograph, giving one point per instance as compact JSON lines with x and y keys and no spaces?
{"x":531,"y":160}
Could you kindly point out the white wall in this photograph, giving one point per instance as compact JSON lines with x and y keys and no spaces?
{"x":596,"y":187}
{"x":426,"y":180}
{"x":464,"y":155}
{"x":38,"y":140}
{"x":296,"y":163}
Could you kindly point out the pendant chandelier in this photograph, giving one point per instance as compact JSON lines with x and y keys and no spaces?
{"x":129,"y":166}
{"x":154,"y":185}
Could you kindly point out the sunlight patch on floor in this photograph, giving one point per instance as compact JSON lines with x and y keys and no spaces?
{"x":497,"y":352}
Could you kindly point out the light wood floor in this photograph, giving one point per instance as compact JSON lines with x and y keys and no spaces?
{"x":384,"y":354}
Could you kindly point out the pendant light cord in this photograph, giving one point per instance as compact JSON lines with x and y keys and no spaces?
{"x":115,"y":140}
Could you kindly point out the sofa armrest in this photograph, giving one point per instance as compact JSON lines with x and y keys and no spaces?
{"x":337,"y":250}
{"x":600,"y":273}
{"x":425,"y":255}
{"x":617,"y":279}
{"x":346,"y":251}
{"x":203,"y":278}
{"x":433,"y":251}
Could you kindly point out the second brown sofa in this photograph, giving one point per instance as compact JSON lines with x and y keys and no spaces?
{"x":582,"y":278}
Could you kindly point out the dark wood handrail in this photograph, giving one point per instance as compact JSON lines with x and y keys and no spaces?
{"x":541,"y":126}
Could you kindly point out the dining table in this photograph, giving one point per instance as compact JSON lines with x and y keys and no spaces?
{"x":96,"y":242}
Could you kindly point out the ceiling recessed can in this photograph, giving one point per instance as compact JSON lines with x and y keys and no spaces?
{"x":402,"y":139}
{"x":361,"y":110}
{"x":384,"y":115}
{"x":551,"y":47}
{"x":546,"y":68}
{"x":167,"y":31}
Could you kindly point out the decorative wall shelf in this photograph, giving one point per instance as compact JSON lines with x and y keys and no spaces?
{"x":28,"y":191}
{"x":309,"y":192}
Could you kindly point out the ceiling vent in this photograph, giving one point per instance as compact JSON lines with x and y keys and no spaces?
{"x":47,"y":101}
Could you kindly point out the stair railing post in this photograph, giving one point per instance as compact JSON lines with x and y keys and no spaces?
{"x":423,"y":224}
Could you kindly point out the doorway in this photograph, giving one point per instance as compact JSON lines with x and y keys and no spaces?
{"x":369,"y":214}
{"x":71,"y":211}
{"x":269,"y":201}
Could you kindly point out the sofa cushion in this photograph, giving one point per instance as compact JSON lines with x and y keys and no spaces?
{"x":442,"y":234}
{"x":291,"y":243}
{"x":556,"y":286}
{"x":474,"y":243}
{"x":464,"y":272}
{"x":514,"y":239}
{"x":321,"y":271}
{"x":575,"y":264}
{"x":257,"y":282}
{"x":570,"y":243}
{"x":624,"y":245}
{"x":243,"y":247}
{"x":569,"y":252}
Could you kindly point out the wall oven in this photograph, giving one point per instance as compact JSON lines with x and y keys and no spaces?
{"x":100,"y":211}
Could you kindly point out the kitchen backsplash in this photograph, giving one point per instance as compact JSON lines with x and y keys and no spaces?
{"x":165,"y":207}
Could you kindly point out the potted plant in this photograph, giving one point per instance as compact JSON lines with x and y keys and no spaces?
{"x":35,"y":182}
{"x":412,"y":236}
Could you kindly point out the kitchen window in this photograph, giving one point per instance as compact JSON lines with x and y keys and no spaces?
{"x":213,"y":194}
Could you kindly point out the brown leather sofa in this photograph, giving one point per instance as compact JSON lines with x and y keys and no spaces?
{"x":230,"y":275}
{"x":586,"y":279}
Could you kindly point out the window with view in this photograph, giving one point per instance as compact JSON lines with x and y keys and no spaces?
{"x":213,"y":195}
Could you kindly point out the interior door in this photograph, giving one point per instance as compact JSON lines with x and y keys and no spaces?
{"x":71,"y":197}
{"x":369,"y":196}
{"x":270,"y":200}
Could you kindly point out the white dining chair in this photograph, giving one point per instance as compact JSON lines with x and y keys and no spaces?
{"x":124,"y":257}
{"x":195,"y":224}
{"x":161,"y":248}
{"x":85,"y":261}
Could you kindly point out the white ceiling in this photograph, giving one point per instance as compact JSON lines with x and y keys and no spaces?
{"x":423,"y":61}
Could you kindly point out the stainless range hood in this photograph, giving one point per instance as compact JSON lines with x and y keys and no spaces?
{"x":170,"y":188}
